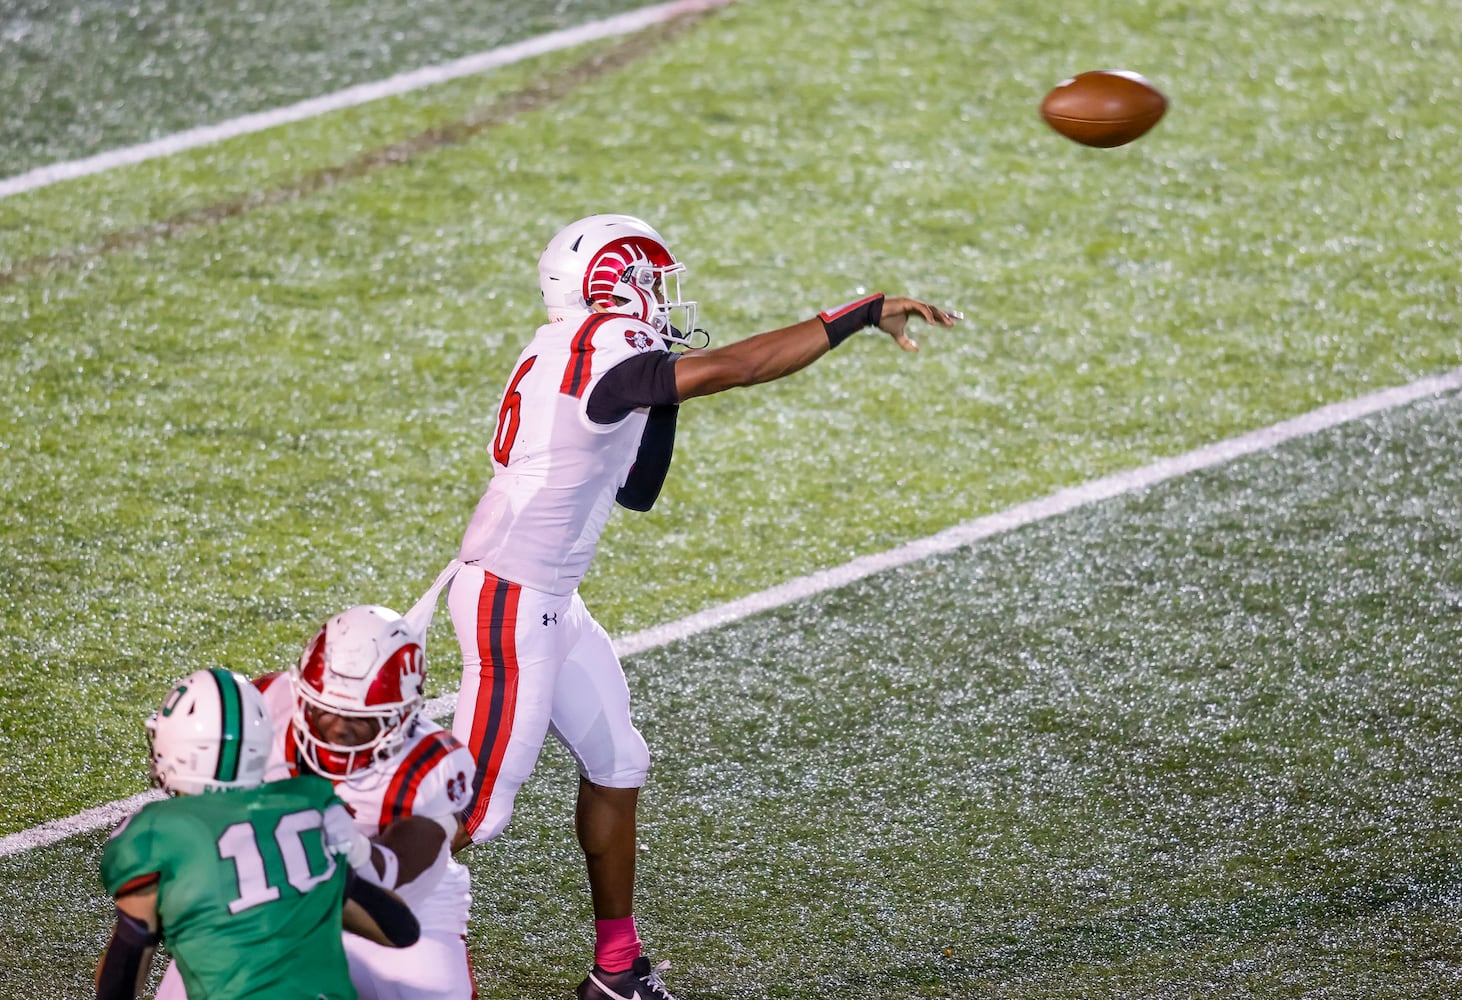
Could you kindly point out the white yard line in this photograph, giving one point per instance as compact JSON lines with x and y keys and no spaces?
{"x":96,"y":818}
{"x":1060,"y":502}
{"x":402,"y":83}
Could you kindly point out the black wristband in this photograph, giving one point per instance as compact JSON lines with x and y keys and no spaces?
{"x":844,"y":321}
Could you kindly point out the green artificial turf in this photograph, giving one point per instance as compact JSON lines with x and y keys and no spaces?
{"x":1198,"y":741}
{"x":251,"y":384}
{"x":95,"y":76}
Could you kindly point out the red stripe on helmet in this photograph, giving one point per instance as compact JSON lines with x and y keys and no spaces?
{"x":604,"y":270}
{"x":312,"y":664}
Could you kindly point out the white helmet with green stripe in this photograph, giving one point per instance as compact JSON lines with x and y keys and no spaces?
{"x":211,"y":734}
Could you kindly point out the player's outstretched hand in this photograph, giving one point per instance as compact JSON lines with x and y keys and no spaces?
{"x":896,"y":312}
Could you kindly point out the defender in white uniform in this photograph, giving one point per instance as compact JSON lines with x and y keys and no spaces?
{"x":587,"y":420}
{"x":350,"y":711}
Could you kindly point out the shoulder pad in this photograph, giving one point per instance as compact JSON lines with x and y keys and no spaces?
{"x":432,"y":778}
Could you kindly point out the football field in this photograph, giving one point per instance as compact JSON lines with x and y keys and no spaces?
{"x":1200,"y":735}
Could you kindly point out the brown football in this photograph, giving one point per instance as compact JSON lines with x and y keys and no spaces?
{"x":1105,"y":107}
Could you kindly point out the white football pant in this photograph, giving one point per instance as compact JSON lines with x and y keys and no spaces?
{"x":535,"y":663}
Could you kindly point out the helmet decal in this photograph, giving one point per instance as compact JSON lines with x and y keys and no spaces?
{"x":615,"y":263}
{"x":231,"y":702}
{"x":403,"y":668}
{"x":606,"y":273}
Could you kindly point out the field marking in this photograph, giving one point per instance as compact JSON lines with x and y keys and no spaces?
{"x":620,"y":24}
{"x":1060,"y":502}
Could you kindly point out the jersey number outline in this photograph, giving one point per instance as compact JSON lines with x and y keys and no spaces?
{"x":240,"y":844}
{"x":509,"y":415}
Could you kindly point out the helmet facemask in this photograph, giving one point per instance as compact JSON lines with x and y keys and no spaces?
{"x":662,"y":286}
{"x":339,"y":759}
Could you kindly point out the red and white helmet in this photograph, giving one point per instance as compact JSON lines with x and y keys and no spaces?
{"x":617,"y":262}
{"x":366,"y":663}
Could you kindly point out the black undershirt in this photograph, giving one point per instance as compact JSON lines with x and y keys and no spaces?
{"x":643,"y":380}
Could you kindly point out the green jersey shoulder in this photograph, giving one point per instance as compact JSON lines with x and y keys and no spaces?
{"x":248,"y":899}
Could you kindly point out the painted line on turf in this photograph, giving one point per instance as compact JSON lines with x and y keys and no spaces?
{"x":96,"y":818}
{"x":620,"y":24}
{"x":1060,"y":502}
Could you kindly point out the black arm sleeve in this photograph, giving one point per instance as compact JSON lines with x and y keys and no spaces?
{"x":394,"y":917}
{"x":652,"y":461}
{"x":643,"y":380}
{"x":122,"y":961}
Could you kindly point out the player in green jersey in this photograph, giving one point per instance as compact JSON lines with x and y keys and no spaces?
{"x":247,"y":882}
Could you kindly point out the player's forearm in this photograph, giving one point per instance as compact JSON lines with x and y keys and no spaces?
{"x":378,"y":915}
{"x":124,"y":964}
{"x":772,"y":355}
{"x":762,"y":358}
{"x":408,"y":849}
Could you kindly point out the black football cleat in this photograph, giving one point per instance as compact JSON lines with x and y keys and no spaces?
{"x":638,"y":982}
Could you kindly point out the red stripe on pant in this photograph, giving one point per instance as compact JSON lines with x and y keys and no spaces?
{"x":471,"y":975}
{"x":497,"y":689}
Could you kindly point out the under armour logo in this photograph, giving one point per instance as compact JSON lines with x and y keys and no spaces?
{"x":550,"y":620}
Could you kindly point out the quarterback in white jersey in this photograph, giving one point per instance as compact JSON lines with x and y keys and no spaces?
{"x":587,"y":420}
{"x":350,"y":711}
{"x":557,"y":467}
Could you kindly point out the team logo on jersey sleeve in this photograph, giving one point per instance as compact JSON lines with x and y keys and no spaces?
{"x":640,"y":340}
{"x":457,"y":788}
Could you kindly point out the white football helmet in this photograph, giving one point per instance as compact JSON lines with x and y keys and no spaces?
{"x":617,"y":262}
{"x":365,"y":663}
{"x":212,"y":733}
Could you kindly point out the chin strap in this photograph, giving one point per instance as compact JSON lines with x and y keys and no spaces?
{"x":696,"y":340}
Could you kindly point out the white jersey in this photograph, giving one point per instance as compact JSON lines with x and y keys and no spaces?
{"x":555,"y":471}
{"x":431,"y":777}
